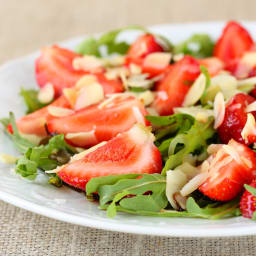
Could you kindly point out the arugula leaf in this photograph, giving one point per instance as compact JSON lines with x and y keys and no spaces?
{"x":91,"y":46}
{"x":5,"y":122}
{"x":198,"y":45}
{"x":93,"y":185}
{"x":146,"y":193}
{"x":251,"y":189}
{"x":30,"y":99}
{"x":193,"y":140}
{"x":46,"y":157}
{"x":21,"y":143}
{"x":213,"y":211}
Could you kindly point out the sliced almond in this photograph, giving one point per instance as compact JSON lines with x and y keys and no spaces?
{"x":139,"y":81}
{"x":214,"y":148}
{"x":114,"y":73}
{"x":138,"y":115}
{"x":46,"y":94}
{"x":32,"y":137}
{"x":114,"y":61}
{"x":59,"y":112}
{"x":233,"y":153}
{"x":84,"y":138}
{"x":251,"y":107}
{"x":87,"y":63}
{"x":8,"y":159}
{"x":152,"y":111}
{"x":249,"y":128}
{"x":158,"y":60}
{"x":141,"y":133}
{"x":86,"y":80}
{"x":249,"y":58}
{"x":195,"y":92}
{"x":178,"y":57}
{"x":91,"y":94}
{"x":219,"y":109}
{"x":146,"y":97}
{"x":135,"y":69}
{"x":71,"y":95}
{"x":181,"y":200}
{"x":188,"y":169}
{"x":175,"y":180}
{"x":194,"y":184}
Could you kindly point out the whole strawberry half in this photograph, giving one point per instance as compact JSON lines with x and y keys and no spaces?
{"x":248,"y":202}
{"x":230,"y":168}
{"x":130,"y":152}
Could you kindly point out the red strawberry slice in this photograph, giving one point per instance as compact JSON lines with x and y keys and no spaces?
{"x":213,"y":65}
{"x":34,"y":123}
{"x":130,"y":152}
{"x":235,"y":118}
{"x":100,"y":122}
{"x":233,"y":43}
{"x":55,"y":66}
{"x":142,"y":46}
{"x":172,"y":89}
{"x":248,"y":202}
{"x":229,"y":170}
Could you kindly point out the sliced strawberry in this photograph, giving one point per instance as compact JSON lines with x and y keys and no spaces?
{"x":102,"y":123}
{"x":172,"y":89}
{"x":248,"y":202}
{"x":233,"y":43}
{"x":34,"y":123}
{"x":229,"y":171}
{"x":55,"y":66}
{"x":213,"y":64}
{"x":235,"y":118}
{"x":142,"y":46}
{"x":130,"y":152}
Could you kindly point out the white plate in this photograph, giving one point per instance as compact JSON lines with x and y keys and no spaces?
{"x":70,"y":206}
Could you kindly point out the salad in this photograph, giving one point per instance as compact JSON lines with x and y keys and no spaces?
{"x":147,"y":128}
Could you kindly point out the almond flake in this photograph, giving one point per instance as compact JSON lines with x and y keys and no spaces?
{"x":138,"y":115}
{"x":219,"y":109}
{"x":249,"y":58}
{"x":59,"y":112}
{"x":249,"y":128}
{"x":88,"y":95}
{"x":146,"y":97}
{"x":46,"y":94}
{"x":152,"y":111}
{"x":246,"y":161}
{"x":114,"y":61}
{"x":181,"y":200}
{"x":87,"y":138}
{"x":8,"y":159}
{"x":194,"y":184}
{"x":230,"y":150}
{"x":195,"y":92}
{"x":214,"y":148}
{"x":251,"y":107}
{"x":114,"y":73}
{"x":87,"y":63}
{"x":86,"y":80}
{"x":71,"y":95}
{"x":175,"y":180}
{"x":135,"y":69}
{"x":159,"y":60}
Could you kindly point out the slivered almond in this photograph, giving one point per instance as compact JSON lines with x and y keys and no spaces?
{"x":181,"y":200}
{"x":135,"y":69}
{"x":59,"y":112}
{"x":114,"y":61}
{"x":205,"y":166}
{"x":194,"y":183}
{"x":46,"y":94}
{"x":219,"y":109}
{"x":249,"y":58}
{"x":114,"y":73}
{"x":8,"y":159}
{"x":195,"y":92}
{"x":247,"y":81}
{"x":214,"y":148}
{"x":159,"y":60}
{"x":246,"y":161}
{"x":229,"y":150}
{"x":71,"y":95}
{"x":251,"y":107}
{"x":138,"y":115}
{"x":146,"y":97}
{"x":86,"y":80}
{"x":87,"y":63}
{"x":90,"y":94}
{"x":249,"y":128}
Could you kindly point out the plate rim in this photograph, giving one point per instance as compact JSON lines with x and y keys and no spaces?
{"x":120,"y":227}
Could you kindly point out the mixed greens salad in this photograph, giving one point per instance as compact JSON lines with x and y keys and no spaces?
{"x":148,"y":128}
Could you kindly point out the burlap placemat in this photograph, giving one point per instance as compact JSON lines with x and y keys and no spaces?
{"x":29,"y":24}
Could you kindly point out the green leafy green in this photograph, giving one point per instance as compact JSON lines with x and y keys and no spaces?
{"x":204,"y":70}
{"x":5,"y":122}
{"x":198,"y":45}
{"x":46,"y":157}
{"x":145,"y":193}
{"x":91,"y":46}
{"x":193,"y":141}
{"x":30,"y":99}
{"x":213,"y":211}
{"x":20,"y":143}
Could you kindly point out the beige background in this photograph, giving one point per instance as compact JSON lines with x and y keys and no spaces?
{"x":25,"y":25}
